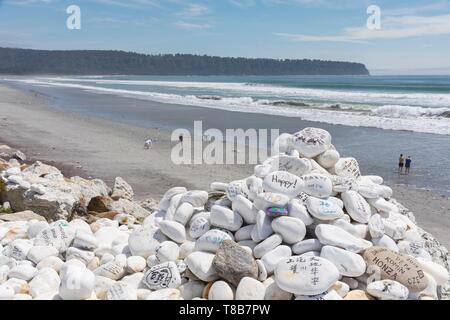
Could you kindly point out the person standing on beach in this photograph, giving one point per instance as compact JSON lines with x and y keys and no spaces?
{"x":401,"y":163}
{"x":408,"y":165}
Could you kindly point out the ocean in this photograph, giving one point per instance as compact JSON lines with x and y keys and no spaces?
{"x":409,"y":103}
{"x":372,"y":118}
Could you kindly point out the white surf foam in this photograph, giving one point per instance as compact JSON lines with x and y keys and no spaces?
{"x":389,"y":117}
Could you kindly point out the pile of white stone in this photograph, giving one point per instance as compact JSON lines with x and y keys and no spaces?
{"x":306,"y":225}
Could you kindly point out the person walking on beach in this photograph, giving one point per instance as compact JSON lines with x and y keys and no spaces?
{"x":408,"y":165}
{"x":401,"y":163}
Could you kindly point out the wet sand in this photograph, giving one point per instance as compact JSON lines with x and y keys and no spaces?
{"x":93,"y":145}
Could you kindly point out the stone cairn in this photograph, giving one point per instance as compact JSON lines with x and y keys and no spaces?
{"x":305,"y":226}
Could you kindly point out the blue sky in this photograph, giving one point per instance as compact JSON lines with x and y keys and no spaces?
{"x":414,"y":35}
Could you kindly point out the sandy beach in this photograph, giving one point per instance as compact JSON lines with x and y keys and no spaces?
{"x":101,"y":148}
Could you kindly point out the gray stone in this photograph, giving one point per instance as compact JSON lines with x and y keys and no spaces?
{"x":233,"y":263}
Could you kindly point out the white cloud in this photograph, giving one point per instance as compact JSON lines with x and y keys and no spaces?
{"x":194,"y":10}
{"x":191,"y":26}
{"x":394,"y":27}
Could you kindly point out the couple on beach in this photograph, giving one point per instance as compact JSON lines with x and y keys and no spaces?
{"x":404,"y":162}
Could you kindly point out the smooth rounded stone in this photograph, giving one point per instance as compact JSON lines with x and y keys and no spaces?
{"x":152,"y":261}
{"x":269,"y":199}
{"x":125,"y":219}
{"x":36,"y":227}
{"x":102,"y":286}
{"x":167,"y":251}
{"x":395,"y":266}
{"x":136,"y":264}
{"x":341,"y":288}
{"x":23,"y":272}
{"x":327,"y":295}
{"x":6,"y":292}
{"x":283,"y":182}
{"x":255,"y":187}
{"x":112,"y":270}
{"x":386,"y":242}
{"x":348,"y":168}
{"x":357,"y":230}
{"x":37,"y":254}
{"x":18,"y":249}
{"x":232,"y":263}
{"x":306,"y":246}
{"x":186,"y":249}
{"x":191,"y":290}
{"x":275,"y":212}
{"x":395,"y":227}
{"x":250,"y":289}
{"x":199,"y":226}
{"x":211,"y":241}
{"x":201,"y":265}
{"x":267,"y":245}
{"x":348,"y":263}
{"x":45,"y":281}
{"x":298,"y":210}
{"x":358,"y":295}
{"x":244,"y":233}
{"x":357,"y":207}
{"x":283,"y":143}
{"x":3,"y":273}
{"x":382,"y":205}
{"x":225,"y":218}
{"x":197,"y":198}
{"x":438,"y":272}
{"x":107,"y":257}
{"x":250,"y":244}
{"x":19,"y":285}
{"x":311,"y":142}
{"x":262,"y":272}
{"x":337,"y":237}
{"x":324,"y":209}
{"x":292,"y":230}
{"x":306,"y":275}
{"x":173,"y":230}
{"x":219,"y":186}
{"x":388,"y":290}
{"x":121,"y":292}
{"x":236,"y":188}
{"x":82,"y":255}
{"x":244,"y":208}
{"x":184,"y":213}
{"x":54,"y":263}
{"x":173,"y":192}
{"x":272,"y":258}
{"x":164,"y":294}
{"x":76,"y":284}
{"x":317,"y":185}
{"x":273,"y":291}
{"x":328,"y":159}
{"x":163,"y":276}
{"x":351,"y":282}
{"x":431,"y":289}
{"x":376,"y":226}
{"x":60,"y":235}
{"x":85,"y":241}
{"x":263,"y":228}
{"x":290,"y":163}
{"x":263,"y":170}
{"x":221,"y":290}
{"x":121,"y":259}
{"x":415,"y":249}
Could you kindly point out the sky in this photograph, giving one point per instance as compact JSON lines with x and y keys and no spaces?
{"x":413,"y":35}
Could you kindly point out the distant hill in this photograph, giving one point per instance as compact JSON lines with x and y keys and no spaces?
{"x":96,"y":62}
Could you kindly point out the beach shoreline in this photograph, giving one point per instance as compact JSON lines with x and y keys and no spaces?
{"x":94,"y":147}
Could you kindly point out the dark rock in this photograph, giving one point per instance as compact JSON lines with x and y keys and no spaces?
{"x":100,"y":204}
{"x":232,"y":263}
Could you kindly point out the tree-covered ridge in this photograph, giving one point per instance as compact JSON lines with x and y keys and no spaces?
{"x":98,"y":62}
